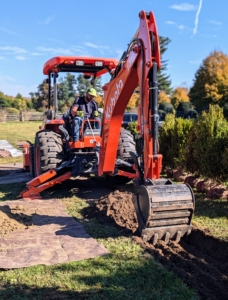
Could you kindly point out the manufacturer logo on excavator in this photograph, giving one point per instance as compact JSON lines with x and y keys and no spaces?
{"x":113,"y":100}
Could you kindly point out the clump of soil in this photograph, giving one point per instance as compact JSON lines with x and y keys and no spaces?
{"x":12,"y":219}
{"x":118,"y":206}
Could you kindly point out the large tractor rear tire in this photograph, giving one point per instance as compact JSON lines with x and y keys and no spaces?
{"x":48,"y":151}
{"x":126,"y":144}
{"x":32,"y":161}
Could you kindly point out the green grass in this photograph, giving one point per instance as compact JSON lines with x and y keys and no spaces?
{"x":212,"y":215}
{"x":17,"y":131}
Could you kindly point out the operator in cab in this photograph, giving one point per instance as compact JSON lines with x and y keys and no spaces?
{"x":84,"y":107}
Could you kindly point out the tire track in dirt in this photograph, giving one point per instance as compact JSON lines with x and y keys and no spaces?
{"x":200,"y":259}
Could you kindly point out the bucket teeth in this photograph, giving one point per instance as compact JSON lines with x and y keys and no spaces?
{"x":178,"y":237}
{"x":155,"y":239}
{"x":167,"y":237}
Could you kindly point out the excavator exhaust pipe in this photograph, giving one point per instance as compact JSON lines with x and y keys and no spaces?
{"x":164,"y":210}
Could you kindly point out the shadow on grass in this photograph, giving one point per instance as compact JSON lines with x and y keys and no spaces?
{"x":210,"y":208}
{"x":11,"y":191}
{"x":113,"y":277}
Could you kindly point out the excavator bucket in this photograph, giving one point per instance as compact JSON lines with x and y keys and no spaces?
{"x":164,"y":210}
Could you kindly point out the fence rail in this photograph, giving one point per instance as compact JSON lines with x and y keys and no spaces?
{"x":24,"y":116}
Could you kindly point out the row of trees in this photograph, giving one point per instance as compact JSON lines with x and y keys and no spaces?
{"x":13,"y":104}
{"x":210,"y":86}
{"x":70,"y":86}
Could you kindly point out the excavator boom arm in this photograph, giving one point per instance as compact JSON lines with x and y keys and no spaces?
{"x":135,"y":69}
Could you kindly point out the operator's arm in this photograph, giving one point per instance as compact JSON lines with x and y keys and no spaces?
{"x":74,"y":109}
{"x":95,"y":109}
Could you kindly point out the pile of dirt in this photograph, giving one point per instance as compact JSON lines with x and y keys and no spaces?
{"x":12,"y":219}
{"x":118,"y":207}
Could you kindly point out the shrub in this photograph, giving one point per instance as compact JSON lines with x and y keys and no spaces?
{"x":173,"y":136}
{"x":12,"y":111}
{"x":132,"y":127}
{"x":183,"y":108}
{"x":207,"y":146}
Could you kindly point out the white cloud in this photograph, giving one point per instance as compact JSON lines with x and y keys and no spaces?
{"x":184,"y":7}
{"x":8,"y":78}
{"x":171,"y":23}
{"x":214,"y":22}
{"x":47,"y":21}
{"x":15,"y":50}
{"x":181,"y":27}
{"x":197,"y":17}
{"x":195,"y":62}
{"x":58,"y":51}
{"x":91,"y":45}
{"x":1,"y":57}
{"x":36,"y":54}
{"x":20,"y":57}
{"x":209,"y":36}
{"x":9,"y":31}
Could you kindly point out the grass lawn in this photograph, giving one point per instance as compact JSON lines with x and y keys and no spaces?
{"x":126,"y":273}
{"x":212,"y":216}
{"x":17,"y":131}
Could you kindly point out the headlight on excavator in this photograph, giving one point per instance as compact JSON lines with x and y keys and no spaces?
{"x":79,"y":62}
{"x":98,"y":63}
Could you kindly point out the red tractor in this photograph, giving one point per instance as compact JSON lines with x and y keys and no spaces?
{"x":164,"y":210}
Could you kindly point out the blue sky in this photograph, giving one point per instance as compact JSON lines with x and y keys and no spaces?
{"x":31,"y":32}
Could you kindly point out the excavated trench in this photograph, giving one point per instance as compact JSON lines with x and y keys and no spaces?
{"x":200,"y":259}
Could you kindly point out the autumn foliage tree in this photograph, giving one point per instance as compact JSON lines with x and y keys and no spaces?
{"x":179,"y":95}
{"x":163,"y":97}
{"x":211,"y":81}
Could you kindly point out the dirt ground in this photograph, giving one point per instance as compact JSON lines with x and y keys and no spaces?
{"x":13,"y":219}
{"x":201,"y":260}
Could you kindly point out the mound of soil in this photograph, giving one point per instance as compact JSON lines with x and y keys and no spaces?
{"x":12,"y":219}
{"x":118,"y":207}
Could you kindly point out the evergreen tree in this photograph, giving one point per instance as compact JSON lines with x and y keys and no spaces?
{"x":164,"y":82}
{"x":71,"y":82}
{"x":84,"y":84}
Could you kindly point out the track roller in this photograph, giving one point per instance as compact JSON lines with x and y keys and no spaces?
{"x":164,"y":210}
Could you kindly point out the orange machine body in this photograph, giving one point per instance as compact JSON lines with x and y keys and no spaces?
{"x":134,"y":71}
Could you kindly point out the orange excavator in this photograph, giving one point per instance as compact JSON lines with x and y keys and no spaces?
{"x":164,"y":209}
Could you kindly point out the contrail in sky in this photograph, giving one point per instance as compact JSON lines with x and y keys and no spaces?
{"x":197,"y":17}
